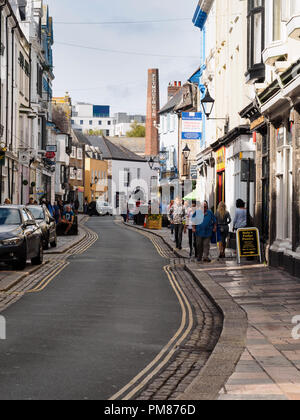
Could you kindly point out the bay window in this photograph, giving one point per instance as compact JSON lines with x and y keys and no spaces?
{"x":295,"y":7}
{"x":256,"y":40}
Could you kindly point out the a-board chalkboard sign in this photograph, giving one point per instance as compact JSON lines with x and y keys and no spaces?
{"x":248,"y":243}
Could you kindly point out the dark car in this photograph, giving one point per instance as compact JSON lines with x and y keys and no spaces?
{"x":47,"y":224}
{"x":20,"y":237}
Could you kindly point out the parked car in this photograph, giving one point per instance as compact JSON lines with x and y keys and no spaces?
{"x":47,"y":224}
{"x":103,"y":208}
{"x":20,"y":237}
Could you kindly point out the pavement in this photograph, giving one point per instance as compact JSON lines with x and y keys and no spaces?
{"x":265,"y":357}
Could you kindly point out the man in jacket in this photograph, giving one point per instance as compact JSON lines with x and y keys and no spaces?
{"x":205,"y":223}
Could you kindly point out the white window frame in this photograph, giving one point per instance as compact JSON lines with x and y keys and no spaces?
{"x":74,"y":152}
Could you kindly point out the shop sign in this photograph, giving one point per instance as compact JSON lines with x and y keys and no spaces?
{"x":220,"y":159}
{"x":248,"y":243}
{"x":192,"y":126}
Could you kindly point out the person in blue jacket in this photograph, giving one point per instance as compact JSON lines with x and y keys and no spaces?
{"x":205,"y":224}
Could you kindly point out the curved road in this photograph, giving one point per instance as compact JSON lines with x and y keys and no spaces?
{"x":96,"y":325}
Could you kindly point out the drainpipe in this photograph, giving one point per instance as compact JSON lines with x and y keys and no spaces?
{"x":12,"y":103}
{"x":1,"y":9}
{"x":7,"y":60}
{"x":2,"y":5}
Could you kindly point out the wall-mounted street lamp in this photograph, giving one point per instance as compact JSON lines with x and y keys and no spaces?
{"x":208,"y":104}
{"x":151,"y":163}
{"x":162,"y":156}
{"x":186,"y":154}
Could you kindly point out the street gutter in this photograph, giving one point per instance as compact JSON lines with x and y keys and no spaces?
{"x":232,"y":343}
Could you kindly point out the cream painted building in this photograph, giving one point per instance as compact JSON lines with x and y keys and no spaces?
{"x":227,"y":138}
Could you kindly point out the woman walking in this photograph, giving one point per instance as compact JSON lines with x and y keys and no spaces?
{"x":240,"y":220}
{"x":189,"y":227}
{"x":223,"y":219}
{"x":171,"y":216}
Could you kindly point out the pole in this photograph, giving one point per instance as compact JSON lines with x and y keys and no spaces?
{"x":248,"y":191}
{"x":1,"y":176}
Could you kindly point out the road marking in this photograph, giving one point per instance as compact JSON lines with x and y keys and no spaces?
{"x":44,"y":283}
{"x":169,"y":350}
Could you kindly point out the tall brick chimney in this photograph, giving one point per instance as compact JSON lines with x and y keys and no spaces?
{"x":173,"y":88}
{"x":152,"y":139}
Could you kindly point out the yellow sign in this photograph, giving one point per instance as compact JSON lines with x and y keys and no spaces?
{"x":220,"y":158}
{"x":248,"y":242}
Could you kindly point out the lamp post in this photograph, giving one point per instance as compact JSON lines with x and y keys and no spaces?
{"x":186,"y":154}
{"x":208,"y":104}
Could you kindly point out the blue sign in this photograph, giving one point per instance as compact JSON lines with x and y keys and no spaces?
{"x":192,"y":125}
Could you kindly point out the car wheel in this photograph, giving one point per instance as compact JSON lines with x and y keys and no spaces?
{"x":46,"y":243}
{"x":54,"y":243}
{"x":39,"y":259}
{"x":20,"y":264}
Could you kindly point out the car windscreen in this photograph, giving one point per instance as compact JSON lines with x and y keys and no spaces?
{"x":37,"y":213}
{"x":10,"y":217}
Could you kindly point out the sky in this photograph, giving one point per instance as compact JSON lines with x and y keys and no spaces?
{"x":116,"y":77}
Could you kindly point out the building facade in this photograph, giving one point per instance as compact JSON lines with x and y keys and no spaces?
{"x":26,"y":93}
{"x":274,"y":117}
{"x":86,"y":117}
{"x":227,"y":145}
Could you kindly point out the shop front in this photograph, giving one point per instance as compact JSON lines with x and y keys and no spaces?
{"x":220,"y":176}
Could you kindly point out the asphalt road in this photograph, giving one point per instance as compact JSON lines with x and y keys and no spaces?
{"x":95,"y":326}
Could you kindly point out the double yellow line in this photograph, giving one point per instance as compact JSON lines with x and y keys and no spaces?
{"x":163,"y":358}
{"x":48,"y":279}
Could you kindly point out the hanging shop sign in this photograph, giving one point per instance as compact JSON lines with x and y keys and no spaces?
{"x":192,"y":126}
{"x":51,"y":148}
{"x":221,"y":159}
{"x":248,"y":243}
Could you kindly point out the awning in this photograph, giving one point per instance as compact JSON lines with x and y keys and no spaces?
{"x":191,"y":197}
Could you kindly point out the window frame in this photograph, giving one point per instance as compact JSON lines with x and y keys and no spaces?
{"x":252,"y":12}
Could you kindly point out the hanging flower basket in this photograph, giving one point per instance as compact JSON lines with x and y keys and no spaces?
{"x":33,"y":184}
{"x":154,"y":222}
{"x":25,"y":182}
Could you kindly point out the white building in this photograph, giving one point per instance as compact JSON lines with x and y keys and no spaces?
{"x":86,"y":117}
{"x":127,"y":173}
{"x":228,"y":142}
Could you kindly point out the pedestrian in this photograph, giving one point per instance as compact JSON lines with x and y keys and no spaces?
{"x":31,"y":202}
{"x":57,"y":214}
{"x":223,"y":219}
{"x":170,"y":216}
{"x":76,"y":206}
{"x":205,"y":224}
{"x":50,"y":208}
{"x":240,"y":220}
{"x":189,"y":228}
{"x":7,"y":202}
{"x":68,"y":219}
{"x":178,"y":212}
{"x":86,"y":206}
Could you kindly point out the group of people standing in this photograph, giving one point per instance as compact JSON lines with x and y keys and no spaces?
{"x":203,"y":226}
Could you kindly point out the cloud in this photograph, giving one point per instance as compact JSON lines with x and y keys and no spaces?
{"x":118,"y":79}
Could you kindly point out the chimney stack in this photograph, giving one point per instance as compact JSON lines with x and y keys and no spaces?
{"x":173,"y":89}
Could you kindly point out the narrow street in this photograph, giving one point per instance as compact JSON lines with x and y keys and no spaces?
{"x":95,"y":326}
